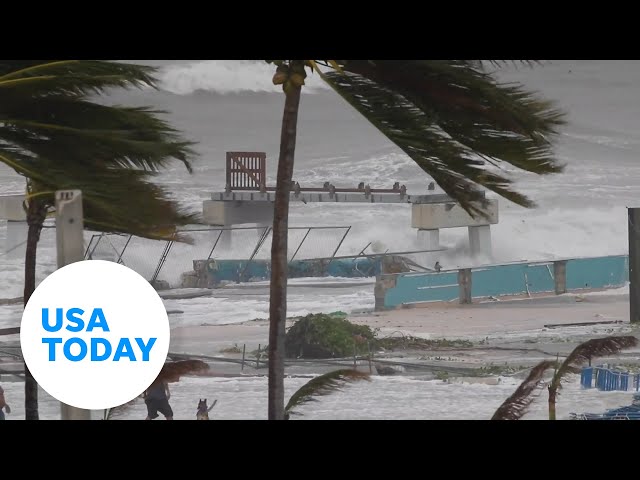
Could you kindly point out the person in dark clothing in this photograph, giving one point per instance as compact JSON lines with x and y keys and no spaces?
{"x":157,"y":399}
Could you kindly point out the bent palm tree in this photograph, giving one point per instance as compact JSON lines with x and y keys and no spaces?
{"x":517,"y":405}
{"x":452,"y":117}
{"x":320,"y":386}
{"x":597,"y":347}
{"x":57,"y":137}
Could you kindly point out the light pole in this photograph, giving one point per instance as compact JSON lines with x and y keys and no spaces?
{"x":70,"y":249}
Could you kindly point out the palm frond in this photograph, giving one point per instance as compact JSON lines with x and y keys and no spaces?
{"x":456,"y":86}
{"x":87,"y":131}
{"x":503,"y":63}
{"x":450,"y":164}
{"x":583,"y":353}
{"x":321,"y":386}
{"x":115,"y":200}
{"x":516,"y":406}
{"x":58,"y":139}
{"x":446,"y":115}
{"x":172,"y":371}
{"x":41,"y":78}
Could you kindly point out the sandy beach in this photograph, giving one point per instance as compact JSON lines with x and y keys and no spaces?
{"x":499,"y":321}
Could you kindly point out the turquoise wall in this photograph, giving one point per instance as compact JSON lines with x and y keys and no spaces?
{"x":512,"y":279}
{"x":599,"y":272}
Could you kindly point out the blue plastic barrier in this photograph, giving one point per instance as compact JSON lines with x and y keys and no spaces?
{"x":608,"y":380}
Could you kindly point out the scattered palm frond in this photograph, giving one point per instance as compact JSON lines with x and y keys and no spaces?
{"x":321,"y":386}
{"x":172,"y":371}
{"x":516,"y":406}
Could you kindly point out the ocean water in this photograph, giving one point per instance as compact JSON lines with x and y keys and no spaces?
{"x":232,"y":105}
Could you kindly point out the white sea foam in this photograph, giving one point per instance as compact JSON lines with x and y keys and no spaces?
{"x":227,"y":76}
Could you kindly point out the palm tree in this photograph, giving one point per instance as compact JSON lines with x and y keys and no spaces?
{"x":514,"y":407}
{"x":597,"y":347}
{"x":322,"y":385}
{"x":57,"y":136}
{"x":517,"y":405}
{"x":452,"y":117}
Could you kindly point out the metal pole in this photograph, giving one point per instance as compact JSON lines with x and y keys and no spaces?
{"x":261,"y":241}
{"x":163,"y":259}
{"x":88,"y":255}
{"x":215,"y":244}
{"x":70,"y":249}
{"x":123,"y":250}
{"x":299,"y":246}
{"x":634,"y":264}
{"x":333,"y":255}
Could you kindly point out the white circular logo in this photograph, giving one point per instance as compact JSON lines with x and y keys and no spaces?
{"x":95,"y":334}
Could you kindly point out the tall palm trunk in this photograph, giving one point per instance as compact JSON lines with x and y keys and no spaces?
{"x":552,"y":403}
{"x":36,"y":215}
{"x":279,"y":265}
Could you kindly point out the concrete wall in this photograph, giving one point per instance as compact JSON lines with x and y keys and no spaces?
{"x":396,"y":290}
{"x":600,"y":272}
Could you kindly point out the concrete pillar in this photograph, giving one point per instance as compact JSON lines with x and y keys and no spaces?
{"x":225,"y":239}
{"x":560,"y":276}
{"x":633,"y":219}
{"x":480,"y":240}
{"x":383,"y":283}
{"x":429,"y":239}
{"x":464,"y":285}
{"x":70,"y":249}
{"x":16,"y":240}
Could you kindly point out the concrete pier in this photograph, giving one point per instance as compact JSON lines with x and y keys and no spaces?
{"x":429,"y":218}
{"x":324,"y":197}
{"x":429,"y":213}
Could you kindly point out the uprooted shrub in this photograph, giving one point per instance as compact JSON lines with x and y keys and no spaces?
{"x":326,"y":336}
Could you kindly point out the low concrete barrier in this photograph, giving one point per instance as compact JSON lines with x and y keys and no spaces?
{"x":525,"y":278}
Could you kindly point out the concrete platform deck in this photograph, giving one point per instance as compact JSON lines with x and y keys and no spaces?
{"x":327,"y":197}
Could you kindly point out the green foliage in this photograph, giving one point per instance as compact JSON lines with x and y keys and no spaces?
{"x":326,"y":336}
{"x":408,"y":342}
{"x":333,"y":335}
{"x":57,"y":136}
{"x":452,"y":116}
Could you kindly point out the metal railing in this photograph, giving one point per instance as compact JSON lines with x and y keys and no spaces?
{"x":217,"y":241}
